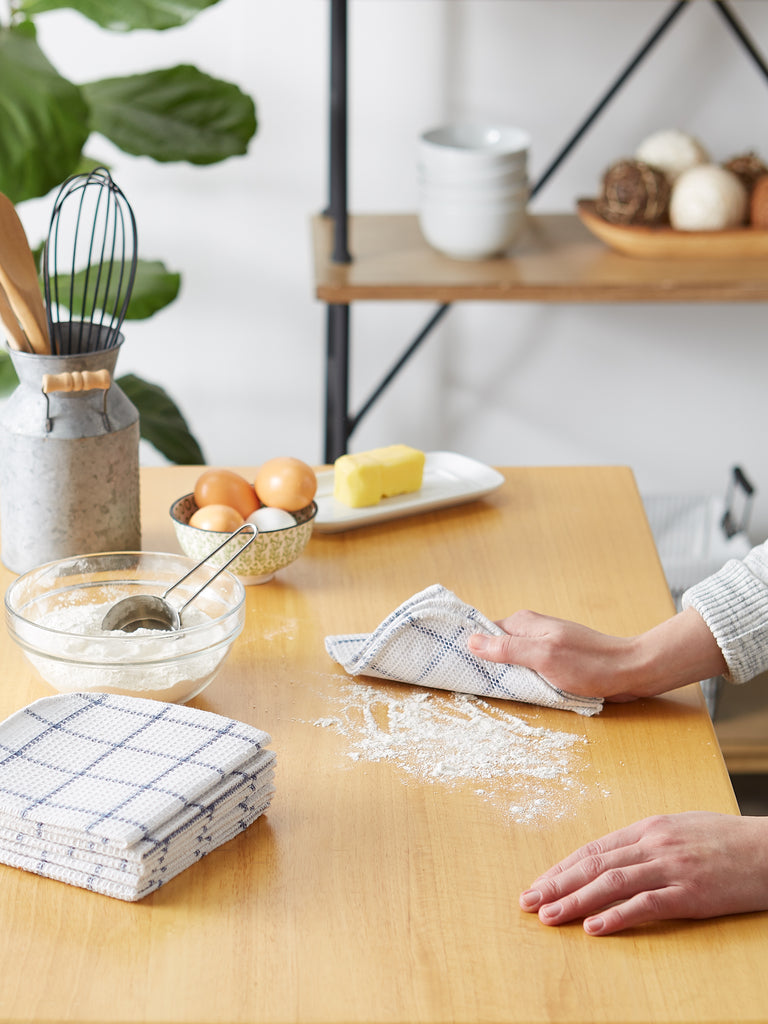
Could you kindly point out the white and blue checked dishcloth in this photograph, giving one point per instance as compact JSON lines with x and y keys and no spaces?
{"x":424,"y":641}
{"x":119,"y":794}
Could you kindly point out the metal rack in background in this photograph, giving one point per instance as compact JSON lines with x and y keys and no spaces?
{"x":340,"y":419}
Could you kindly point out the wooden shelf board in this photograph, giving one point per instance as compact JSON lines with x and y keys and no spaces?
{"x":556,"y":260}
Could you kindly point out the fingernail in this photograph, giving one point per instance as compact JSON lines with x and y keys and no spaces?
{"x":478,"y":643}
{"x":551,"y":911}
{"x":530,"y":900}
{"x":594,"y":925}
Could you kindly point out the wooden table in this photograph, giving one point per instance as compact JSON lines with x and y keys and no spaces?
{"x":368,"y":894}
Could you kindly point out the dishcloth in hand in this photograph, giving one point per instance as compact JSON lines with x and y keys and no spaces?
{"x":424,"y":641}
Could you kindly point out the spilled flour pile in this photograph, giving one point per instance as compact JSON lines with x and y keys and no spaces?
{"x":458,"y":739}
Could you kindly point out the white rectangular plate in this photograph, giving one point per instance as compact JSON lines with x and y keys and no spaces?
{"x":449,"y":479}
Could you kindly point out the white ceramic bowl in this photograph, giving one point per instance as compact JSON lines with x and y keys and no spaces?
{"x":474,"y":146}
{"x":468,"y":177}
{"x":455,"y":195}
{"x":54,"y":613}
{"x":471,"y":234}
{"x":259,"y":562}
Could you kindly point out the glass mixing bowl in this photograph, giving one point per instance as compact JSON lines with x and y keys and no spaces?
{"x":54,"y":613}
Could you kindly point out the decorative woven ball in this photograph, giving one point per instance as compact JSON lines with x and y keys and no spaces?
{"x":672,"y":152}
{"x":708,"y":198}
{"x":758,"y":206}
{"x":632,"y":192}
{"x":747,"y":167}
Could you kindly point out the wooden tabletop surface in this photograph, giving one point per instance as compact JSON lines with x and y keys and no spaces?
{"x":385,"y":890}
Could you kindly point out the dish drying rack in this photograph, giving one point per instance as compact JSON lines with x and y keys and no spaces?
{"x":695,"y":536}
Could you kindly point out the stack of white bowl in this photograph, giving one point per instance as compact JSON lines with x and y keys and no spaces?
{"x":473,"y":188}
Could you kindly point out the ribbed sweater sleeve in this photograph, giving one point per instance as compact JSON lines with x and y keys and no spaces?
{"x":734,"y":604}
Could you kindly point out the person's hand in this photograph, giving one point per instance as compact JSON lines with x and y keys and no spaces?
{"x":691,"y":865}
{"x":582,"y":661}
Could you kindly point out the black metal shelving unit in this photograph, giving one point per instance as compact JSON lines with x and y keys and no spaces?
{"x":340,"y":419}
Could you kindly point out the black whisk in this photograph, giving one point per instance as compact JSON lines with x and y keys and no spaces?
{"x":89,"y":264}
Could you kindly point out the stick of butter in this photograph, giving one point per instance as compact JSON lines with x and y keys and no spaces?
{"x":367,"y":477}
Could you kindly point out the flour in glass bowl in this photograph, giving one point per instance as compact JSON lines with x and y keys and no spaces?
{"x":457,"y":739}
{"x":147,"y":663}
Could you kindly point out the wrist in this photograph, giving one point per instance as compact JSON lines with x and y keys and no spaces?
{"x":678,"y":651}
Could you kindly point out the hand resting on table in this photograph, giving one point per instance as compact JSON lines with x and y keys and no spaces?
{"x":690,"y":865}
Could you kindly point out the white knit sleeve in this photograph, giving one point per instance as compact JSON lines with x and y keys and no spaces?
{"x":734,"y":604}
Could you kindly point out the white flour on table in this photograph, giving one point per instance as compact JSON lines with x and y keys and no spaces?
{"x":457,"y":739}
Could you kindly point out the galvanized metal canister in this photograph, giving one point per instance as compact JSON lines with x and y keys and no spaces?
{"x":69,"y":461}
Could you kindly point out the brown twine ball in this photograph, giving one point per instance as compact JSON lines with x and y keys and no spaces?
{"x":633,"y":192}
{"x":747,"y":167}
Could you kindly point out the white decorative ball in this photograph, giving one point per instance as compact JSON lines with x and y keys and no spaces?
{"x":672,"y":152}
{"x":707,"y":198}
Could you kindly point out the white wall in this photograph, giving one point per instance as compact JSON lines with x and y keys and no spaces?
{"x":675,"y":391}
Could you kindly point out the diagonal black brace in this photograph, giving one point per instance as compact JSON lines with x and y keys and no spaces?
{"x":610,"y":93}
{"x":408,"y":352}
{"x":741,"y":35}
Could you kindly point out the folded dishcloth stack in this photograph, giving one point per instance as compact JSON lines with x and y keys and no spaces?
{"x":119,"y":794}
{"x":424,"y":641}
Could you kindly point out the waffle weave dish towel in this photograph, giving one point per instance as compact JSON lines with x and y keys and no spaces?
{"x":424,"y":641}
{"x":119,"y":794}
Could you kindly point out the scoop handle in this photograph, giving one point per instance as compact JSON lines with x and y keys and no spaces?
{"x":246,"y":527}
{"x":77,"y":380}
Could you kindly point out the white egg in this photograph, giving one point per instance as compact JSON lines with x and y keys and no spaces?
{"x":268,"y":518}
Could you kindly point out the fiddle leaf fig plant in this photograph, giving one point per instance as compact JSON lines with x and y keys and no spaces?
{"x":169,"y":115}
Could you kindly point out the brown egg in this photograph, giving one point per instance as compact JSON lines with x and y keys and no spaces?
{"x":286,"y":483}
{"x":225,"y":487}
{"x":221,"y":518}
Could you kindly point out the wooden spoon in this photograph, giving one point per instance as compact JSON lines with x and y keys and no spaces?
{"x":16,"y":337}
{"x":18,"y":278}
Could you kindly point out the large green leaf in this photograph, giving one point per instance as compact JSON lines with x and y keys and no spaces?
{"x":154,"y":288}
{"x":8,"y":378}
{"x":175,"y":114}
{"x":43,"y":119}
{"x":124,"y":15}
{"x":160,"y":421}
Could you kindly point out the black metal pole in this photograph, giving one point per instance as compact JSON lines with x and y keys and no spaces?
{"x":336,"y":382}
{"x":337,"y":205}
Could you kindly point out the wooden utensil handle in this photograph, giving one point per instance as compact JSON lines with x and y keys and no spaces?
{"x":77,"y":380}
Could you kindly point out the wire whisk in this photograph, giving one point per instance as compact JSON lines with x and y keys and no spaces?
{"x":89,"y":263}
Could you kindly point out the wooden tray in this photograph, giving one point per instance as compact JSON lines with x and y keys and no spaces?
{"x":666,"y":243}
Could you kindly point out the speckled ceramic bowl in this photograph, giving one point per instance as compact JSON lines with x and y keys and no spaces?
{"x":272,"y":550}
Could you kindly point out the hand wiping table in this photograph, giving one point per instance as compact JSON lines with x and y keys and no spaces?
{"x":424,"y":641}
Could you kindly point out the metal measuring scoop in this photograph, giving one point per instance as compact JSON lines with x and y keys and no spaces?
{"x":148,"y":611}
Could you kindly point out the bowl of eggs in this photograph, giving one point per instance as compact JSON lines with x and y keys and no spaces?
{"x":279,"y":503}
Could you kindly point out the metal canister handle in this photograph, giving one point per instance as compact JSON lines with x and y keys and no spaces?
{"x":76,"y":381}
